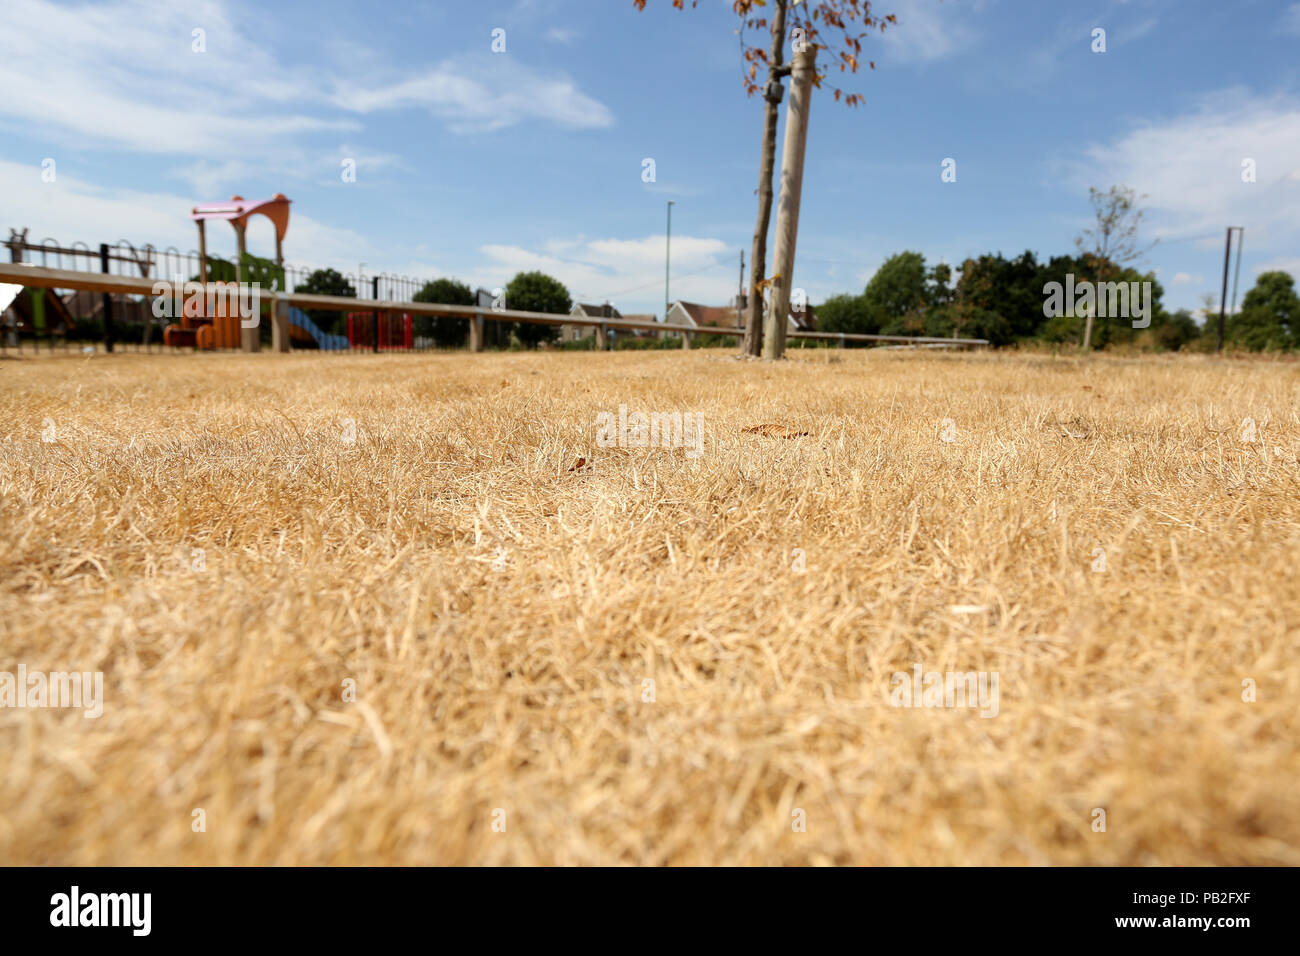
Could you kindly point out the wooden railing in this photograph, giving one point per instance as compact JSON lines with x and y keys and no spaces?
{"x":40,"y":277}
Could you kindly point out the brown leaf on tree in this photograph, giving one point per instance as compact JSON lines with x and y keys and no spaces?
{"x":771,"y":430}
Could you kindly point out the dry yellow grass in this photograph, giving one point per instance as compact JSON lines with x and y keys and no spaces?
{"x":500,"y":613}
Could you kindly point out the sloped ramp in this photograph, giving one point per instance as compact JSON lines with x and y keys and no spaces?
{"x":302,"y":328}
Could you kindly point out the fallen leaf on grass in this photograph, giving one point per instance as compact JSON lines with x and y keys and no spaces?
{"x":773,"y":431}
{"x":1076,"y":427}
{"x":580,"y":463}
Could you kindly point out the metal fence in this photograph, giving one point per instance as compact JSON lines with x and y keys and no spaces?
{"x":133,"y":319}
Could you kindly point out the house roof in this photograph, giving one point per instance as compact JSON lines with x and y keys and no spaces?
{"x":718,"y":316}
{"x":605,"y":311}
{"x":83,"y":304}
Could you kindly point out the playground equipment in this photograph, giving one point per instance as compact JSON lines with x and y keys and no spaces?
{"x":396,"y":331}
{"x":223,"y":331}
{"x":305,"y":332}
{"x":38,"y":311}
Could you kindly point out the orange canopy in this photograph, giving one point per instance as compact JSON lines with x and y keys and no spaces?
{"x":239,"y":209}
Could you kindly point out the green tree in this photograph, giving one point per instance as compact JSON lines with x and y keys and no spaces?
{"x":1270,"y":315}
{"x":537,"y":292}
{"x":939,"y":290}
{"x":447,"y":332}
{"x":897,"y":296}
{"x":1118,"y":330}
{"x":846,"y":313}
{"x":1175,"y":331}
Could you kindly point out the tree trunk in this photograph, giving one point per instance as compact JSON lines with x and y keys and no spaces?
{"x":787,"y":213}
{"x":753,"y":341}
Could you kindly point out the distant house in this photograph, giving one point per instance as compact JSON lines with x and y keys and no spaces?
{"x":496,"y":335}
{"x":90,"y":306}
{"x":572,"y":333}
{"x":704,"y":317}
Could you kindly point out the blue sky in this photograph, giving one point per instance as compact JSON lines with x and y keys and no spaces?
{"x":478,"y":164}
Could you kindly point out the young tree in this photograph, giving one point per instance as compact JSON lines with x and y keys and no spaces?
{"x":1112,"y":242}
{"x":537,"y":292}
{"x":818,"y":23}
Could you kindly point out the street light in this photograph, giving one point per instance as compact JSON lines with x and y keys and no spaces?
{"x":668,"y":245}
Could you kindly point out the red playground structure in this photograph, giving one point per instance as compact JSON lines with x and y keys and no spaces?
{"x":395,"y":330}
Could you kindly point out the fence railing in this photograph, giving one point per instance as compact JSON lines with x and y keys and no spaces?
{"x":34,"y":276}
{"x":126,"y":259}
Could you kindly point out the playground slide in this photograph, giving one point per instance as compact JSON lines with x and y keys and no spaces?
{"x":325,"y":341}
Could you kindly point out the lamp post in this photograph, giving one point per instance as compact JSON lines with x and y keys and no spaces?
{"x":668,"y":245}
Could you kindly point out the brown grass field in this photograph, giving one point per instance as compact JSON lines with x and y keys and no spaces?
{"x":499,"y":614}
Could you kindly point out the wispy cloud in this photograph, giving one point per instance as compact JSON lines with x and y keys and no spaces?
{"x":928,"y":30}
{"x":71,"y":209}
{"x":1291,"y":20}
{"x":622,"y":270}
{"x":162,"y":88}
{"x":483,"y":92}
{"x":1191,"y":166}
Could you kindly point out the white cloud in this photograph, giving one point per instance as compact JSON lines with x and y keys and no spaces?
{"x":1190,"y":167}
{"x":483,"y":92}
{"x":1291,"y":20}
{"x":1124,"y":35}
{"x":1186,"y":278}
{"x":1289,"y":264}
{"x":71,"y":210}
{"x":125,"y":76}
{"x":630,"y":272}
{"x":561,"y":35}
{"x":146,"y":90}
{"x":207,"y":177}
{"x":926,"y":30}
